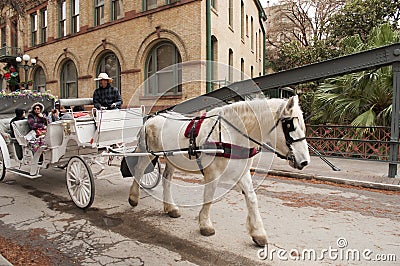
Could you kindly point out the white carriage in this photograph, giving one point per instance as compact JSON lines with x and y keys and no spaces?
{"x":75,"y":144}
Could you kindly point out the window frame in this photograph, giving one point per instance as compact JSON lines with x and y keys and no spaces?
{"x":43,"y":25}
{"x":65,"y":83}
{"x":75,"y":12}
{"x":34,"y":28}
{"x":114,"y":4}
{"x":62,"y":19}
{"x":116,"y":79}
{"x":98,"y":12}
{"x":154,"y":75}
{"x":230,"y":65}
{"x":36,"y":84}
{"x":230,"y":13}
{"x":145,"y":5}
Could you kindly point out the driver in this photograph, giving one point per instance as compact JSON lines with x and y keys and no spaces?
{"x":106,"y":96}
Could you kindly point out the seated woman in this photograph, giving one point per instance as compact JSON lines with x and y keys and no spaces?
{"x":37,"y":120}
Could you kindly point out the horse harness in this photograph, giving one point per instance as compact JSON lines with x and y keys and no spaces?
{"x":231,"y":150}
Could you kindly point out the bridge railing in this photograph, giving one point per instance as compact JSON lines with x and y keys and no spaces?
{"x":367,"y":143}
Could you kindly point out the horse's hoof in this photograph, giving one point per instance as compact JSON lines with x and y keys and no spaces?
{"x":133,"y":203}
{"x":174,"y":214}
{"x":207,"y":231}
{"x":260,"y":241}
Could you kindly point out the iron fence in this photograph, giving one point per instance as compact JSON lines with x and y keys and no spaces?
{"x":367,"y":143}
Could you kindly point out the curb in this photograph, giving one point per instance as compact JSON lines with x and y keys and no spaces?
{"x":4,"y":262}
{"x":338,"y":180}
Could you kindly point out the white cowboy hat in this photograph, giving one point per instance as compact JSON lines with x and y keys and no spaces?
{"x":103,"y":76}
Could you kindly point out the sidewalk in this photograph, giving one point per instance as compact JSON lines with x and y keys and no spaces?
{"x":370,"y":174}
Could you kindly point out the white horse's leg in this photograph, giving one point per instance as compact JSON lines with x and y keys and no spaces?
{"x":138,"y":171}
{"x":254,"y":222}
{"x":169,"y":205}
{"x":206,"y":226}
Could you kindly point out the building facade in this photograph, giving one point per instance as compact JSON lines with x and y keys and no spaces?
{"x":140,"y":44}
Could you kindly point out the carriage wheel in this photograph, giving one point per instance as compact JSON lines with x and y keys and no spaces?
{"x":151,"y":180}
{"x":80,"y":182}
{"x":2,"y":166}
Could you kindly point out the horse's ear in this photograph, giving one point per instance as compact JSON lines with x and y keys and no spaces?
{"x":290,"y":104}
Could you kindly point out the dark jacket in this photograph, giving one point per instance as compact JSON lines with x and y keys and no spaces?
{"x":36,"y":122}
{"x":105,"y":97}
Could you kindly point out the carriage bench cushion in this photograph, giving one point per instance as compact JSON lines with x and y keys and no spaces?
{"x":21,"y":129}
{"x":5,"y":128}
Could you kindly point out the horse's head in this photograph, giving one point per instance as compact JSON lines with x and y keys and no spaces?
{"x":290,"y":130}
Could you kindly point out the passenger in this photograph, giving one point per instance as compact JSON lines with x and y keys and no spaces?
{"x":19,"y":115}
{"x":37,"y":121}
{"x":106,"y":96}
{"x":54,"y":116}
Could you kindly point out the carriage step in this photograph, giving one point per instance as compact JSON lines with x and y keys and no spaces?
{"x":23,"y":173}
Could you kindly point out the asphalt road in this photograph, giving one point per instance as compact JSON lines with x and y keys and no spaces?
{"x":310,"y":222}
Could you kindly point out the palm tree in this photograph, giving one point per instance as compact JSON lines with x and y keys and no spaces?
{"x":359,"y":99}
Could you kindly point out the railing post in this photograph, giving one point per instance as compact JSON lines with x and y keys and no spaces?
{"x":394,"y":135}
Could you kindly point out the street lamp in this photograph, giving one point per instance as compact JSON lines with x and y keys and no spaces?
{"x":26,"y":67}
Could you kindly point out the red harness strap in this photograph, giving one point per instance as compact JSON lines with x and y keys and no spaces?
{"x":197,"y":126}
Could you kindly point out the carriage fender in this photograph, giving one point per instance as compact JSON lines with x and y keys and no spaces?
{"x":4,"y":151}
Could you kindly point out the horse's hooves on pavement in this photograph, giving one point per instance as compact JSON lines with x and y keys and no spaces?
{"x":260,"y":240}
{"x":133,"y":203}
{"x":207,"y":231}
{"x":174,"y":214}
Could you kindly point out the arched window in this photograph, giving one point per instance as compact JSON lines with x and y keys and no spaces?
{"x":163,"y":71}
{"x":109,"y":64}
{"x":69,"y":80}
{"x":39,"y":79}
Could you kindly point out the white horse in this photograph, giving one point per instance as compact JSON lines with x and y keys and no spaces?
{"x":247,"y":124}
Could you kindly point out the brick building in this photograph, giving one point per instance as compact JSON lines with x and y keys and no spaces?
{"x":74,"y":40}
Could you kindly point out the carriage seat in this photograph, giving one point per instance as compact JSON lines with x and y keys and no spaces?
{"x":21,"y":130}
{"x":5,"y":130}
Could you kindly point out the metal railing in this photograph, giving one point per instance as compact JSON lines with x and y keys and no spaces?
{"x":10,"y":51}
{"x":366,"y":143}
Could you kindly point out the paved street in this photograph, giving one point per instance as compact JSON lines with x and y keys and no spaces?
{"x":309,"y":221}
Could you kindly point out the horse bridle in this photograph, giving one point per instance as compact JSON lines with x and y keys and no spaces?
{"x":287,"y":127}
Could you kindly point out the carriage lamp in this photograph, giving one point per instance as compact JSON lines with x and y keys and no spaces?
{"x":26,"y":66}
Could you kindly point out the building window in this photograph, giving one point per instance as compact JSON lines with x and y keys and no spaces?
{"x":43,"y":25}
{"x":252,"y":72}
{"x":116,"y":9}
{"x":34,"y":28}
{"x":252,"y":33}
{"x":230,"y":13}
{"x":172,"y":1}
{"x":241,"y":69}
{"x":247,"y":25}
{"x":163,"y":70}
{"x":242,"y":20}
{"x":256,"y":46}
{"x":260,"y":44}
{"x":62,"y":14}
{"x":99,"y":12}
{"x":14,"y":33}
{"x":230,"y":63}
{"x":109,"y":64}
{"x":149,"y":4}
{"x":69,"y":80}
{"x":214,"y":57}
{"x":3,"y":37}
{"x":39,"y":79}
{"x":214,"y":4}
{"x":75,"y":16}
